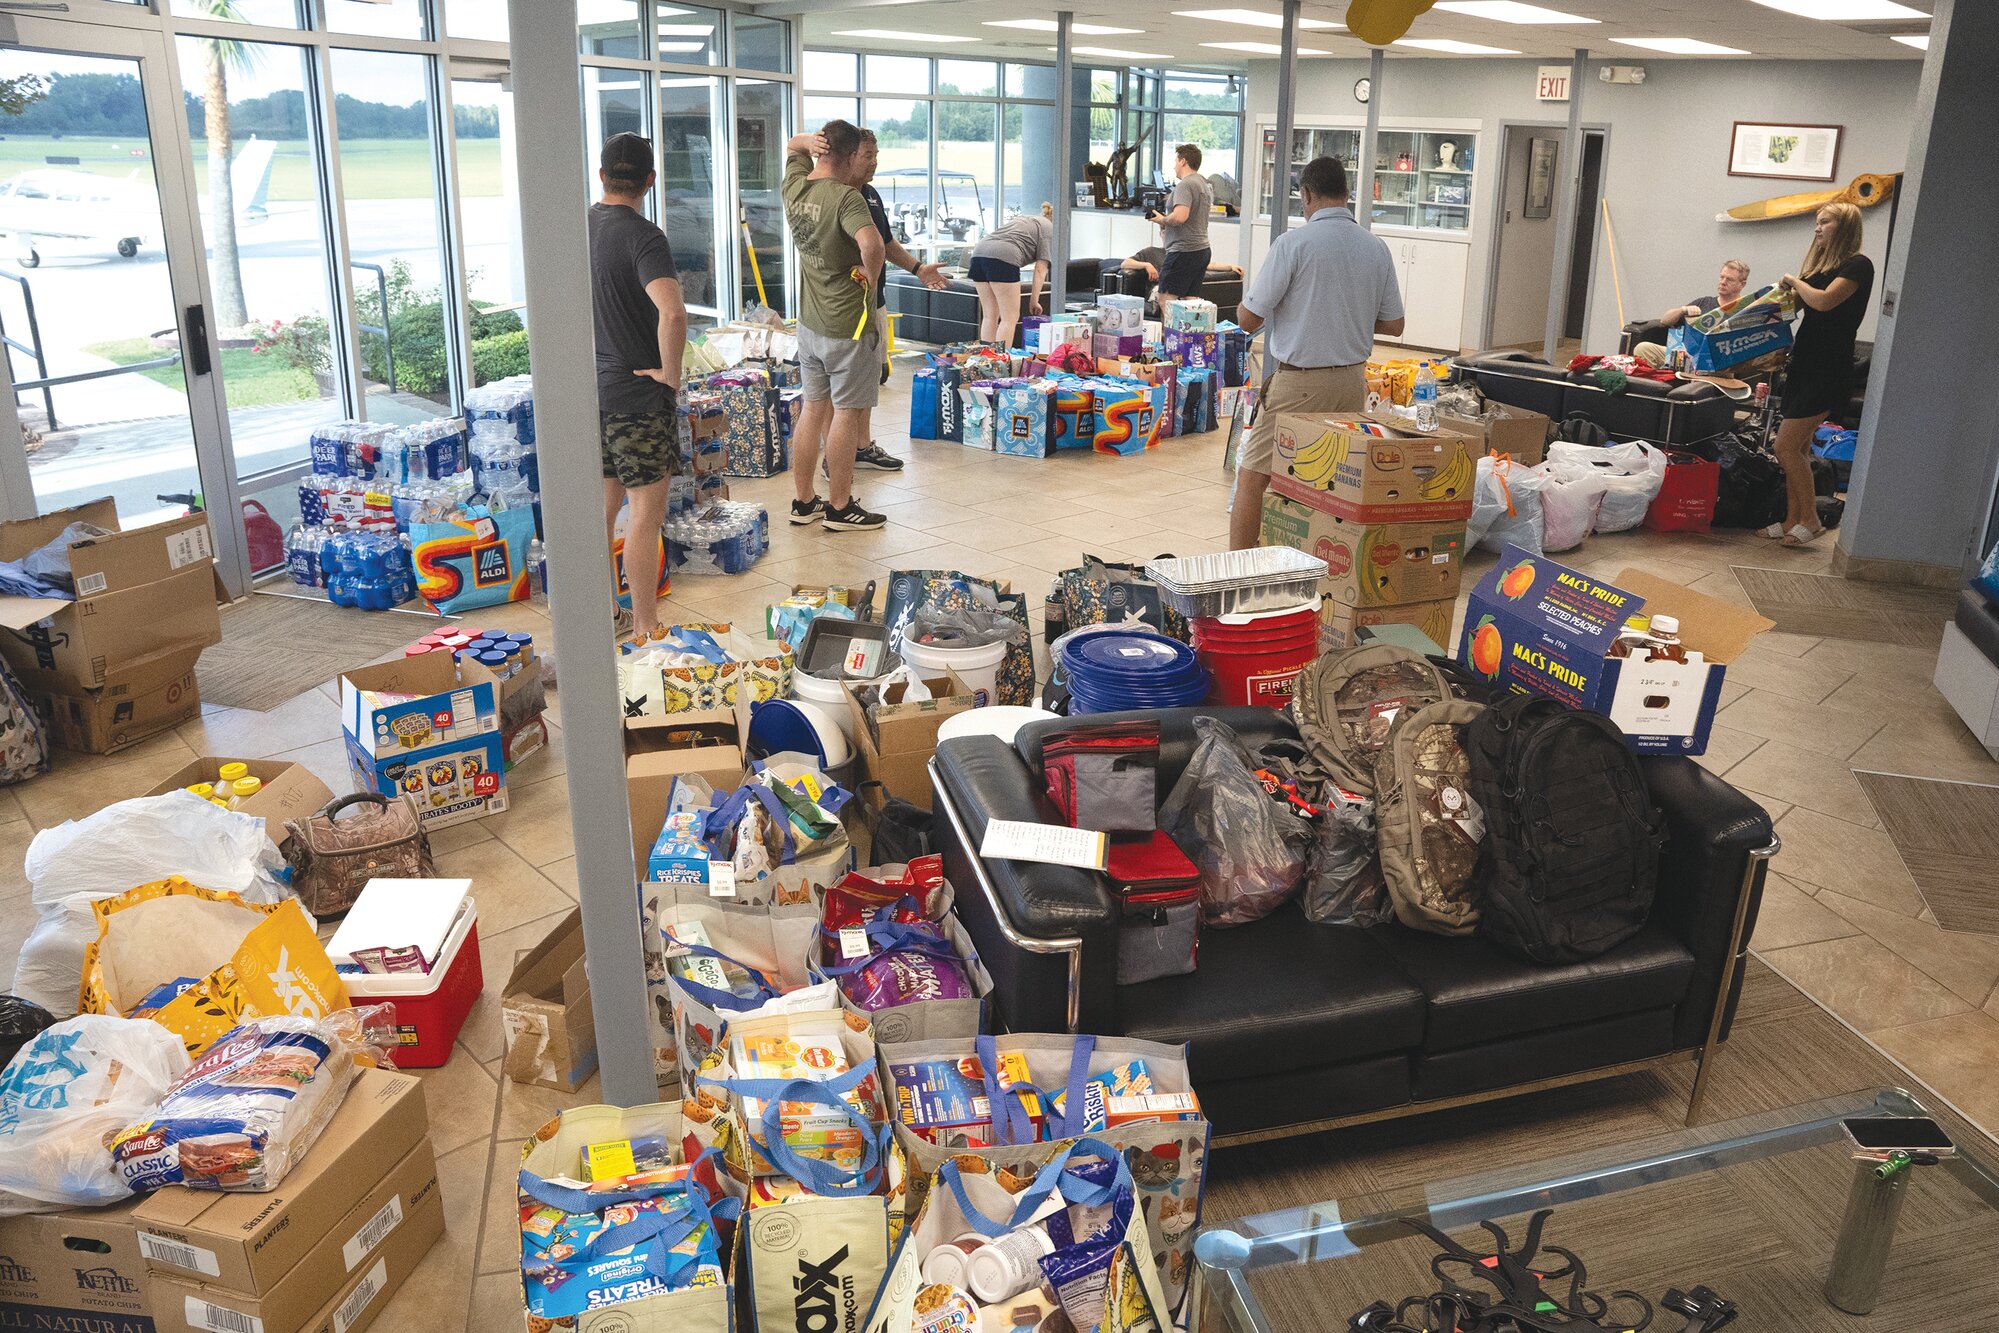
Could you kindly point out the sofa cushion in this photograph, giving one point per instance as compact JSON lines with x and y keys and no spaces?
{"x":1275,"y":995}
{"x":1478,"y":994}
{"x":1555,"y":1053}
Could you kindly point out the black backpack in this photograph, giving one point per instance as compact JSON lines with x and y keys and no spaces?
{"x":1571,"y":852}
{"x":1750,"y":493}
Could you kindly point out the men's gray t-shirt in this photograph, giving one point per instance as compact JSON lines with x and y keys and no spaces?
{"x":626,"y":254}
{"x":1194,"y":191}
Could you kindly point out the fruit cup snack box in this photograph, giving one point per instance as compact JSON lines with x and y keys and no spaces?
{"x":945,"y":1101}
{"x":812,"y":1052}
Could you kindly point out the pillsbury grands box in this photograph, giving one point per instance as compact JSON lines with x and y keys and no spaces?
{"x":1543,"y":627}
{"x":1192,"y":347}
{"x":1025,"y":414}
{"x":1122,"y":314}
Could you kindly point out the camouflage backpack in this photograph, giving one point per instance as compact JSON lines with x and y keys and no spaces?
{"x":1428,"y":826}
{"x":1345,"y":705}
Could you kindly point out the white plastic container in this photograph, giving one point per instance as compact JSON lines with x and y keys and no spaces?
{"x":830,"y":695}
{"x":977,"y":667}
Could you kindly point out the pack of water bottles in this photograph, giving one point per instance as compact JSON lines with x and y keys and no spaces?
{"x":688,"y":495}
{"x":506,"y":470}
{"x":369,"y":571}
{"x":724,"y":538}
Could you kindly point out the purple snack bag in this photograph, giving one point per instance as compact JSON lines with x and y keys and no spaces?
{"x":906,"y":976}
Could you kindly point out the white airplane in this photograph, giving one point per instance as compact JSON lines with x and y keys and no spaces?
{"x":56,"y":203}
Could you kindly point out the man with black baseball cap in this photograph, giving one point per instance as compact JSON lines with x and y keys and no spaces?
{"x":641,"y":338}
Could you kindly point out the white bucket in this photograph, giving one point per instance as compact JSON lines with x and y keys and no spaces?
{"x":831,"y":697}
{"x":977,"y":667}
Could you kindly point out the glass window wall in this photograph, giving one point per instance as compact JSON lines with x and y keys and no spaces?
{"x":690,"y":107}
{"x":688,"y":34}
{"x":763,"y":124}
{"x":376,"y":18}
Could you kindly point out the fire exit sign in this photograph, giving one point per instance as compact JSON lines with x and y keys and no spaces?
{"x":1552,"y":83}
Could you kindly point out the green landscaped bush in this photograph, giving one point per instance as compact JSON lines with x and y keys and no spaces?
{"x":500,"y":356}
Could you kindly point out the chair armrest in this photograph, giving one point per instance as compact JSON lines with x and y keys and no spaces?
{"x":1048,"y":934}
{"x":1719,"y":845}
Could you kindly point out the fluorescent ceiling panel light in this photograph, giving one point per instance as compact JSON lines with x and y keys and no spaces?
{"x":1048,"y":25}
{"x":889,"y":35}
{"x":1680,"y":46}
{"x":1112,"y":53}
{"x":1254,"y":18}
{"x":1450,"y":46}
{"x":1919,"y":40}
{"x":1263,"y":48}
{"x":1510,"y":11}
{"x":1844,"y":11}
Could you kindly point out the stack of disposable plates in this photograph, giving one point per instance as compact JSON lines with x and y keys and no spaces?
{"x":1116,"y":669}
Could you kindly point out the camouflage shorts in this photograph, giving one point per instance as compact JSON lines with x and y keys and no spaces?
{"x":640,"y":448}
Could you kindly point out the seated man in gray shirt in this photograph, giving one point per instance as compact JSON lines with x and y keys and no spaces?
{"x":1325,"y":290}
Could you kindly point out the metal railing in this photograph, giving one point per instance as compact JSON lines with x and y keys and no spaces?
{"x":47,"y":383}
{"x":381,"y":331}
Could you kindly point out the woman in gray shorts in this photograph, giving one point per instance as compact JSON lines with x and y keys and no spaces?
{"x":995,"y":270}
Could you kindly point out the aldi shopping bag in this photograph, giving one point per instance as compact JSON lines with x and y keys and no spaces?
{"x":1099,"y":592}
{"x":479,"y":560}
{"x":912,"y":589}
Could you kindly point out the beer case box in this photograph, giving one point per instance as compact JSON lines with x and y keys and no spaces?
{"x":141,"y":596}
{"x":1518,"y":432}
{"x":706,"y":743}
{"x":138,"y":702}
{"x":1537,"y":625}
{"x":1340,"y":624}
{"x":75,"y":1270}
{"x":894,"y":746}
{"x":249,"y":1242}
{"x":290,"y":791}
{"x":1371,"y":564}
{"x":342,"y":1282}
{"x":545,"y":1009}
{"x":1398,"y":475}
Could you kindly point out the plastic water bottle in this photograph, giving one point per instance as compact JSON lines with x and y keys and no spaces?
{"x":1424,"y":397}
{"x":537,"y":568}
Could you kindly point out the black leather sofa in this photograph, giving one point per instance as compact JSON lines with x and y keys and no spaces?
{"x":1649,"y":410}
{"x":1295,"y":1026}
{"x":1652,"y":331}
{"x":952,"y":315}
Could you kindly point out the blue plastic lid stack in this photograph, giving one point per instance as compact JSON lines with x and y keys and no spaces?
{"x":1115,"y":669}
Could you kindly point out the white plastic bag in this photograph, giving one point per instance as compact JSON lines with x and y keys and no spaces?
{"x":63,"y":1097}
{"x":49,"y":970}
{"x":152,"y":837}
{"x":1506,"y":506}
{"x":1569,"y":507}
{"x":1632,"y":475}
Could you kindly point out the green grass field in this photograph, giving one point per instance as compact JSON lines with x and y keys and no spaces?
{"x":254,"y":378}
{"x":370,"y":168}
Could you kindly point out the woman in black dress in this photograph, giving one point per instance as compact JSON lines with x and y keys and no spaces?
{"x":1837,"y":284}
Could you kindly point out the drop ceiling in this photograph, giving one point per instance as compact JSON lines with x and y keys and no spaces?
{"x":1766,"y":33}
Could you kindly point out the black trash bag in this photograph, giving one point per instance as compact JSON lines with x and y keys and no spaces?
{"x":1751,"y":491}
{"x":901,"y":833}
{"x":1344,"y":885}
{"x":1249,"y":844}
{"x":1831,"y":511}
{"x":21,"y":1021}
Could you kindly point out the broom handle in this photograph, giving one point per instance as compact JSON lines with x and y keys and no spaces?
{"x":1617,"y":283}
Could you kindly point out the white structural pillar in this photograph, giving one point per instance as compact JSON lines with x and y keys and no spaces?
{"x":555,"y":240}
{"x":1065,"y":171}
{"x":1370,"y":142}
{"x":1565,"y":208}
{"x":1287,"y":96}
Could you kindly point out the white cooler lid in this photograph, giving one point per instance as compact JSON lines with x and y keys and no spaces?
{"x":396,"y":913}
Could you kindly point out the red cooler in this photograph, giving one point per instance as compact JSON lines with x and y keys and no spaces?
{"x":430,"y":1008}
{"x":1252,"y":659}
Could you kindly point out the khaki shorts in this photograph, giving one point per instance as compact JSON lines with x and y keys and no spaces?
{"x":848,"y":371}
{"x":640,"y":448}
{"x":1332,"y":389}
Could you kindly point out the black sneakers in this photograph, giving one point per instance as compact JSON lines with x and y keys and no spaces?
{"x":851,"y":518}
{"x":877,"y":459}
{"x":808,"y":511}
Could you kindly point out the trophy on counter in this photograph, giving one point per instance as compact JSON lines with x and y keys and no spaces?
{"x":1120,"y":180}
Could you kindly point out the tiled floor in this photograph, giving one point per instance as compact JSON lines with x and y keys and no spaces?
{"x":1841,"y":919}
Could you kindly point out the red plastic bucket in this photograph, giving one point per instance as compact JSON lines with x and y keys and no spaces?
{"x":1253,"y":659}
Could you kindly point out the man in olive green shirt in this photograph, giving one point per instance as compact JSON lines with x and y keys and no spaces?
{"x":840,"y":339}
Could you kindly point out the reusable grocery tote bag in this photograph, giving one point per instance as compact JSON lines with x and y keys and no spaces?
{"x":479,"y":560}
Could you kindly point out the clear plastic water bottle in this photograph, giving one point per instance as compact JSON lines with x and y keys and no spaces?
{"x":537,"y":568}
{"x":1424,"y":397}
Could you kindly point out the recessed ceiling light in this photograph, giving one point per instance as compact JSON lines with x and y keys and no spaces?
{"x":1510,"y":11}
{"x":1113,"y":53}
{"x":1845,"y":11}
{"x":890,"y":35}
{"x":1263,"y":48}
{"x":1254,"y":18}
{"x":1048,"y":25}
{"x":1919,"y":40}
{"x":1680,"y":46}
{"x":1456,"y":48}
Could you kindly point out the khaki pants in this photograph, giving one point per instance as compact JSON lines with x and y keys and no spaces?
{"x":1327,"y":389}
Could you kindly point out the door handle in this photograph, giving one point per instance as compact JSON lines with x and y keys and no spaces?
{"x":196,"y":340}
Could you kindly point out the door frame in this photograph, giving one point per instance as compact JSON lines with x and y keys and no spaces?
{"x":1506,"y":185}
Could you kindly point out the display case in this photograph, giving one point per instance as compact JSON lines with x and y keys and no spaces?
{"x":1423,"y":179}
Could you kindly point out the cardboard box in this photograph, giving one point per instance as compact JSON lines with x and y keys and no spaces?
{"x":139,"y":702}
{"x":1371,"y":564}
{"x":705,"y":743}
{"x":290,"y":791}
{"x":1339,"y":624}
{"x":450,"y":783}
{"x":1709,"y":352}
{"x":443,"y":746}
{"x":1544,"y":627}
{"x":344,"y":1284}
{"x":894,"y":746}
{"x":391,"y":1228}
{"x":248,"y":1242}
{"x":1516,"y":431}
{"x":75,"y":1270}
{"x":141,"y":595}
{"x":545,"y":1007}
{"x":1398,"y":475}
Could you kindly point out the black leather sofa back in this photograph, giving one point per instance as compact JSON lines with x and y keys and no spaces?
{"x":952,"y":314}
{"x":1220,"y":285}
{"x":1646,"y":410}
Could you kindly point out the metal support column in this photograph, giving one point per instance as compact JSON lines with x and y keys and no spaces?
{"x":555,"y":241}
{"x":1287,"y":90}
{"x":1065,"y":170}
{"x":1370,"y":142}
{"x":1565,"y":207}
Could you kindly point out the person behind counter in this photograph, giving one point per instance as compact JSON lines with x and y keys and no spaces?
{"x":996,"y":262}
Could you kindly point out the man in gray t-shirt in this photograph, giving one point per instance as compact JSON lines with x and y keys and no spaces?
{"x":1184,"y":226}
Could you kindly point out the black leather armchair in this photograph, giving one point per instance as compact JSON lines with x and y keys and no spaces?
{"x":1294,"y":1026}
{"x":1650,"y":410}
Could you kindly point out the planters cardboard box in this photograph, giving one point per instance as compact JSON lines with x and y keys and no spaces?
{"x":545,"y":1008}
{"x":1516,"y":431}
{"x":140,"y":701}
{"x":705,"y":742}
{"x":1544,"y":627}
{"x":75,"y":1270}
{"x":893,"y":747}
{"x":1371,"y":564}
{"x":1374,"y":468}
{"x":1340,"y":624}
{"x":290,"y":791}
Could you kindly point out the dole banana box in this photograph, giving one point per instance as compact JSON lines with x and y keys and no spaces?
{"x":1374,"y":469}
{"x":1539,"y":626}
{"x":1371,"y":564}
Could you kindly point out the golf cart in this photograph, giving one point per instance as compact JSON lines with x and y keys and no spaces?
{"x":905,"y":193}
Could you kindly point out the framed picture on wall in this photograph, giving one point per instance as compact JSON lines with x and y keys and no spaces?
{"x":1785,"y":152}
{"x":1541,"y":156}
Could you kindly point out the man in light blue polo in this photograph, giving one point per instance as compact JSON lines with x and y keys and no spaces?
{"x":1325,"y":290}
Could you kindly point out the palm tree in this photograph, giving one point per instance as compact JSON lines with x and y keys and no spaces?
{"x":225,"y":262}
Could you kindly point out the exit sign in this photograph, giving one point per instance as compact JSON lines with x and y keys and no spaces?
{"x":1552,"y":83}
